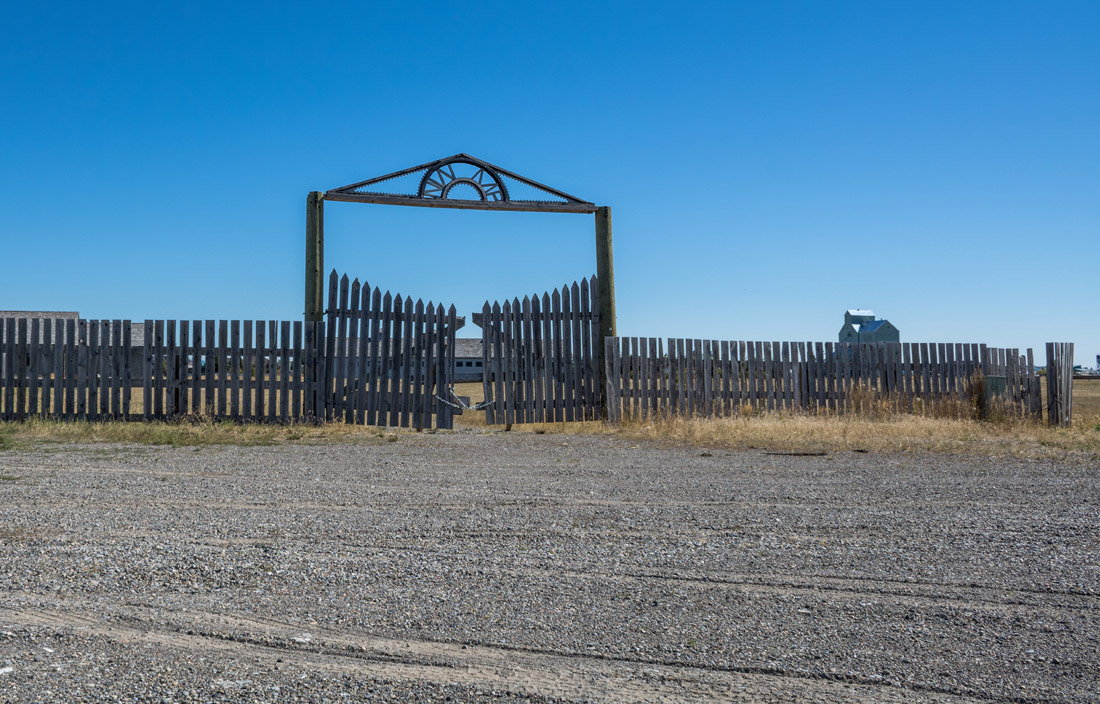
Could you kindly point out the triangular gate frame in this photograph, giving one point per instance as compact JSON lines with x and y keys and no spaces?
{"x":440,"y":176}
{"x":436,"y":190}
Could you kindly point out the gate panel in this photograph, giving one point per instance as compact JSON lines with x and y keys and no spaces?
{"x":390,"y":361}
{"x":540,"y":358}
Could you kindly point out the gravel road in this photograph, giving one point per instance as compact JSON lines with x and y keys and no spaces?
{"x":514,"y":567}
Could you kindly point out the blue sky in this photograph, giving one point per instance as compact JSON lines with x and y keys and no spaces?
{"x":768,"y":164}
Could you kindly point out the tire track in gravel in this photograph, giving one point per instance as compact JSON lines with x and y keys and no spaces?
{"x":843,"y":587}
{"x":957,"y":594}
{"x":526,"y":671}
{"x":946,"y":594}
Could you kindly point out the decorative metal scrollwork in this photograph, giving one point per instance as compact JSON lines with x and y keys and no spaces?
{"x":461,"y":181}
{"x":439,"y":181}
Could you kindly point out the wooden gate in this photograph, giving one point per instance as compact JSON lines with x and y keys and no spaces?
{"x":539,"y":357}
{"x":390,"y":361}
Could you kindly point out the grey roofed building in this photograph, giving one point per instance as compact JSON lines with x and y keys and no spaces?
{"x":468,"y":361}
{"x":861,"y":326}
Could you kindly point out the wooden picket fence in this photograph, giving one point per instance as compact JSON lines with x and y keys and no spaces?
{"x":539,"y":357}
{"x":93,"y":370}
{"x":1060,"y":382}
{"x":377,"y":360}
{"x":646,"y":377}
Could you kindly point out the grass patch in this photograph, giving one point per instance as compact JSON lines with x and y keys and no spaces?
{"x":1086,"y":398}
{"x":879,"y":431}
{"x":947,"y":428}
{"x":805,"y":434}
{"x":185,"y":434}
{"x":808,"y":434}
{"x":7,"y":441}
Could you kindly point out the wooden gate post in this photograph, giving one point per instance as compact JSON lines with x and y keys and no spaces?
{"x":315,"y":256}
{"x":605,"y":276}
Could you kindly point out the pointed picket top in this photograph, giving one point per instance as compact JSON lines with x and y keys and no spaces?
{"x":461,"y":181}
{"x":355,"y":296}
{"x":343,"y":302}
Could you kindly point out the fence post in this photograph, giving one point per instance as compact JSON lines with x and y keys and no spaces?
{"x":605,"y":276}
{"x":315,"y":256}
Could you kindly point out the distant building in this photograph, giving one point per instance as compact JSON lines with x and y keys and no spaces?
{"x":468,"y":362}
{"x":861,"y":326}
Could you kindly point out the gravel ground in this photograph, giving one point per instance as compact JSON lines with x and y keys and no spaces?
{"x":509,"y":567}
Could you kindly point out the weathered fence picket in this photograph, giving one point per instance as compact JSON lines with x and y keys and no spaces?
{"x":1059,"y":382}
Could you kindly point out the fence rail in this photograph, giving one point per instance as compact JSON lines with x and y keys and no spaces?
{"x":646,"y":376}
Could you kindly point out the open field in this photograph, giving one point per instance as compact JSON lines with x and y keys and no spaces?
{"x":483,"y":566}
{"x":1086,"y":398}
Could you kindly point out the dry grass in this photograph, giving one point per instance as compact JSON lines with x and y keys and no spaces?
{"x":780,"y":432}
{"x":184,"y":433}
{"x":879,"y":431}
{"x":1086,"y":399}
{"x":902,"y":433}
